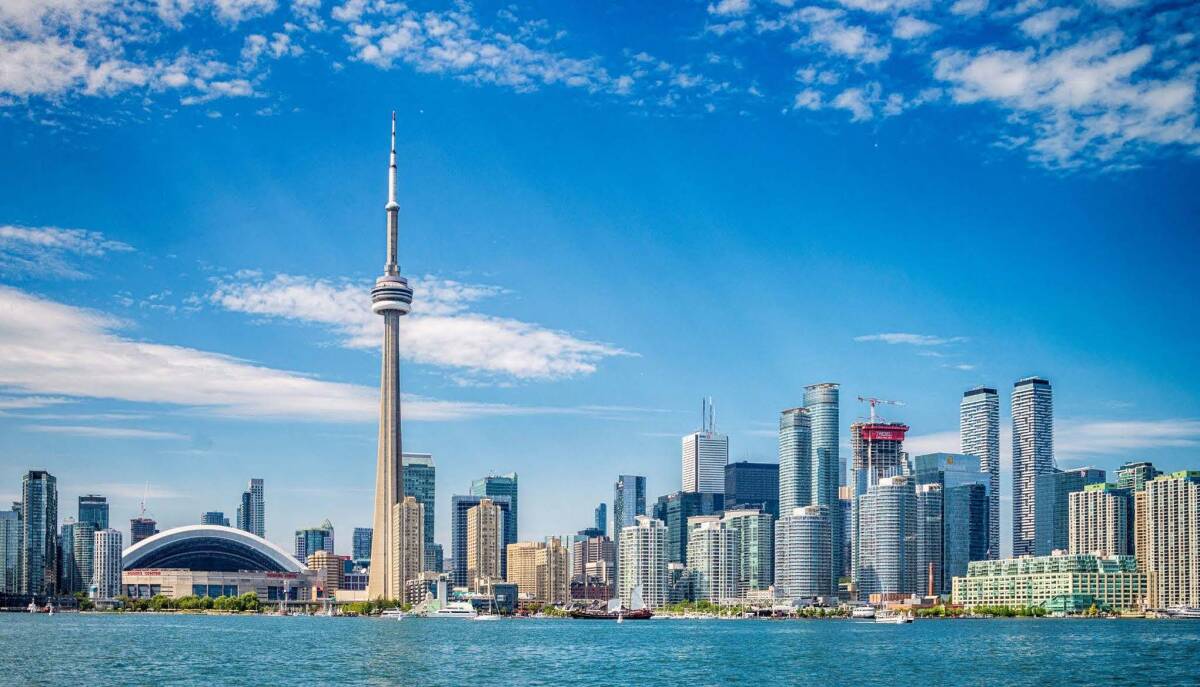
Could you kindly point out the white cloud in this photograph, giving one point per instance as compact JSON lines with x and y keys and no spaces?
{"x":28,"y":402}
{"x":95,"y":432}
{"x":968,"y":8}
{"x":1084,"y":103}
{"x":43,"y":251}
{"x":910,"y":339}
{"x":828,"y":29}
{"x":1047,"y":21}
{"x":807,"y":99}
{"x":729,"y":7}
{"x":882,"y":5}
{"x":1091,"y":437}
{"x":440,"y":331}
{"x":908,"y":28}
{"x":858,"y":101}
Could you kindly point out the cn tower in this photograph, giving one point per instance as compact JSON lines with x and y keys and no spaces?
{"x":392,"y":298}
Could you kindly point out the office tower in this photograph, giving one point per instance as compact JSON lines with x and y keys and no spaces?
{"x":929,"y":538}
{"x":753,"y":532}
{"x":752,"y":485}
{"x":501,"y":486}
{"x":392,"y":299}
{"x":485,"y":543}
{"x":601,"y":519}
{"x":313,"y":539}
{"x":1134,"y":475}
{"x":712,"y":560}
{"x":629,"y":501}
{"x":846,"y":509}
{"x":1052,"y":507}
{"x":459,"y":505}
{"x":822,"y":401}
{"x":68,"y":573}
{"x":673,"y":510}
{"x":886,"y":553}
{"x":1173,"y":539}
{"x":965,"y":510}
{"x":10,"y":550}
{"x":704,"y":456}
{"x":94,"y":509}
{"x":795,"y":459}
{"x":361,"y":544}
{"x":214,"y":517}
{"x":979,"y":432}
{"x":433,"y":558}
{"x":420,"y":483}
{"x":329,"y":571}
{"x":251,"y":514}
{"x":1100,"y":520}
{"x":39,"y":533}
{"x":539,"y":569}
{"x":141,"y":528}
{"x":598,"y":554}
{"x":106,"y":575}
{"x":84,"y":551}
{"x":643,"y":562}
{"x":1033,"y":455}
{"x":802,"y":543}
{"x":408,"y":541}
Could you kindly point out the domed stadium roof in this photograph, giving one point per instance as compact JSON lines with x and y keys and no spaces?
{"x":211,"y":548}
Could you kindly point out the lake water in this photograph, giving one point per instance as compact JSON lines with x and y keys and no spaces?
{"x":73,"y":649}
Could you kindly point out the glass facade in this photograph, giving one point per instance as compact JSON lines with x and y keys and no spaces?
{"x":504,"y":486}
{"x":459,"y":505}
{"x":795,"y":460}
{"x":822,"y":402}
{"x":94,"y":509}
{"x":966,"y":510}
{"x":754,"y":539}
{"x":801,"y":551}
{"x":1052,"y":506}
{"x":314,"y":539}
{"x":754,"y":485}
{"x":674,"y":510}
{"x":39,"y":533}
{"x":979,"y":432}
{"x":420,"y":483}
{"x":1033,"y":455}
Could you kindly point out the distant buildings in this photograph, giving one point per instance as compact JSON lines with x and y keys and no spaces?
{"x":408,"y":541}
{"x":712,"y":560}
{"x":629,"y":501}
{"x":1173,"y":539}
{"x":38,"y":564}
{"x":1033,"y":455}
{"x":601,"y":519}
{"x":822,"y":402}
{"x":329,"y":572}
{"x":752,"y":485}
{"x":459,"y":505}
{"x":1100,"y":521}
{"x":141,"y":528}
{"x":1066,"y":582}
{"x":313,"y":539}
{"x":753,"y":533}
{"x":93,"y":509}
{"x":704,"y":456}
{"x":795,"y":459}
{"x":593,"y":559}
{"x":886,"y":538}
{"x":929,"y":540}
{"x":107,"y":567}
{"x":485,"y":543}
{"x":420,"y":482}
{"x":361,"y":544}
{"x":77,"y":557}
{"x":673,"y":510}
{"x":643,"y":562}
{"x":10,"y":550}
{"x":979,"y":432}
{"x":965,"y":510}
{"x":539,"y":569}
{"x":802,"y":544}
{"x":1052,"y":490}
{"x":214,"y":517}
{"x":1134,"y":477}
{"x":251,"y":514}
{"x":503,"y":486}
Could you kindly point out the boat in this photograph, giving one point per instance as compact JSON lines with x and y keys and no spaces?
{"x":863,"y":612}
{"x":1182,"y":611}
{"x":893,"y":618}
{"x":486,"y":616}
{"x":391,"y":614}
{"x":615,"y":611}
{"x":460,"y":610}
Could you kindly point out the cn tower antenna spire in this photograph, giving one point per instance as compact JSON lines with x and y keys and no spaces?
{"x":393,"y":210}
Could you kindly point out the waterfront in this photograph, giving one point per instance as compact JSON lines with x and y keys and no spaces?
{"x":263,"y":650}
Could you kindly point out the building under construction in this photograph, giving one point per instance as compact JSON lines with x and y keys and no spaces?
{"x":878,"y":451}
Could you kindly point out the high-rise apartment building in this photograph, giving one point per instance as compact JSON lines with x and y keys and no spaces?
{"x":643,"y":563}
{"x":674,"y":510}
{"x":84,"y":551}
{"x":329,"y":571}
{"x":1173,"y":539}
{"x":251,"y":515}
{"x":93,"y":509}
{"x":752,"y":485}
{"x":459,"y":505}
{"x":801,"y":553}
{"x":10,"y":550}
{"x":753,"y":532}
{"x":966,"y":508}
{"x":1133,"y":476}
{"x":822,"y":402}
{"x":979,"y":433}
{"x":106,"y":575}
{"x":1052,"y":506}
{"x":1033,"y":455}
{"x":712,"y":560}
{"x":76,"y":557}
{"x":1100,"y":520}
{"x":408,"y":540}
{"x":704,"y":457}
{"x":485,"y":543}
{"x":929,"y":539}
{"x":539,"y":569}
{"x":313,"y":539}
{"x":600,"y":553}
{"x":361,"y":544}
{"x":420,"y":482}
{"x":885,"y":559}
{"x":795,"y":459}
{"x":501,"y":486}
{"x":629,"y":501}
{"x":214,"y":517}
{"x":39,"y":533}
{"x":845,"y":512}
{"x":141,"y":528}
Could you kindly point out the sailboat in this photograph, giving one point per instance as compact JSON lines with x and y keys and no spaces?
{"x":615,"y":611}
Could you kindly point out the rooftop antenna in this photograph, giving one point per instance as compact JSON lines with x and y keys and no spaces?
{"x":142,"y":504}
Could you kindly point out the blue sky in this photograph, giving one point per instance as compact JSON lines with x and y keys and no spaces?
{"x":608,"y":210}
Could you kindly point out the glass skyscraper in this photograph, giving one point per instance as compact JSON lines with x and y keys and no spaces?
{"x":501,"y":485}
{"x":821,"y":401}
{"x":10,"y":550}
{"x":886,"y":551}
{"x":752,"y":484}
{"x":979,"y":433}
{"x":39,"y":533}
{"x":629,"y":501}
{"x":361,"y":544}
{"x":675,"y":509}
{"x":420,"y":483}
{"x":1052,"y":492}
{"x":214,"y":517}
{"x":314,"y":539}
{"x":1033,"y":455}
{"x":801,"y":553}
{"x":252,"y":513}
{"x":459,"y":505}
{"x":795,"y":459}
{"x":94,"y":509}
{"x":965,"y":514}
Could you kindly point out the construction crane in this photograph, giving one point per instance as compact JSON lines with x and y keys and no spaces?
{"x":877,"y":401}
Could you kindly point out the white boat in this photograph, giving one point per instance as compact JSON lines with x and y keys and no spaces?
{"x":1183,"y":612}
{"x":863,"y":612}
{"x":485,"y":616}
{"x":893,"y":618}
{"x":392,"y":614}
{"x":460,"y":610}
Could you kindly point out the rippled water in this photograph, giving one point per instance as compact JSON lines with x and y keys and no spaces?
{"x":71,"y":649}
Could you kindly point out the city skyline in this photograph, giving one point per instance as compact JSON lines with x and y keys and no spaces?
{"x":213,"y":266}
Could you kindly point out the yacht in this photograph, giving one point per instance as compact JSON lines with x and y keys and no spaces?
{"x":893,"y":618}
{"x":1182,"y":611}
{"x":392,"y":614}
{"x":863,"y":612}
{"x":461,"y":610}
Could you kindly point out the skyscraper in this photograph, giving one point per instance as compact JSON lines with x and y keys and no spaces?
{"x":822,"y":402}
{"x":929,"y":538}
{"x":84,"y":550}
{"x":94,"y":509}
{"x":601,"y":519}
{"x":752,"y":485}
{"x":1033,"y":455}
{"x":1052,"y":507}
{"x":704,"y":456}
{"x":979,"y":432}
{"x":214,"y":517}
{"x":643,"y":553}
{"x":712,"y":559}
{"x":107,"y":567}
{"x":361,"y":548}
{"x":754,"y":538}
{"x":674,"y":510}
{"x":391,"y":298}
{"x":485,"y":536}
{"x":459,"y":505}
{"x":252,"y":513}
{"x":313,"y":539}
{"x":10,"y":550}
{"x":1172,"y":540}
{"x":965,"y":506}
{"x":1134,"y":475}
{"x":886,"y":540}
{"x":629,"y":501}
{"x":420,"y":482}
{"x":1101,"y":521}
{"x":539,"y":569}
{"x":505,"y":486}
{"x":795,"y":459}
{"x":39,"y":533}
{"x":408,"y":535}
{"x":68,"y":573}
{"x":802,"y":552}
{"x":141,"y":528}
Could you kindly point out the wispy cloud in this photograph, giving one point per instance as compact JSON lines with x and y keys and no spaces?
{"x":30,"y":402}
{"x":51,"y":251}
{"x":910,"y":339}
{"x":96,"y":432}
{"x":1077,"y":439}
